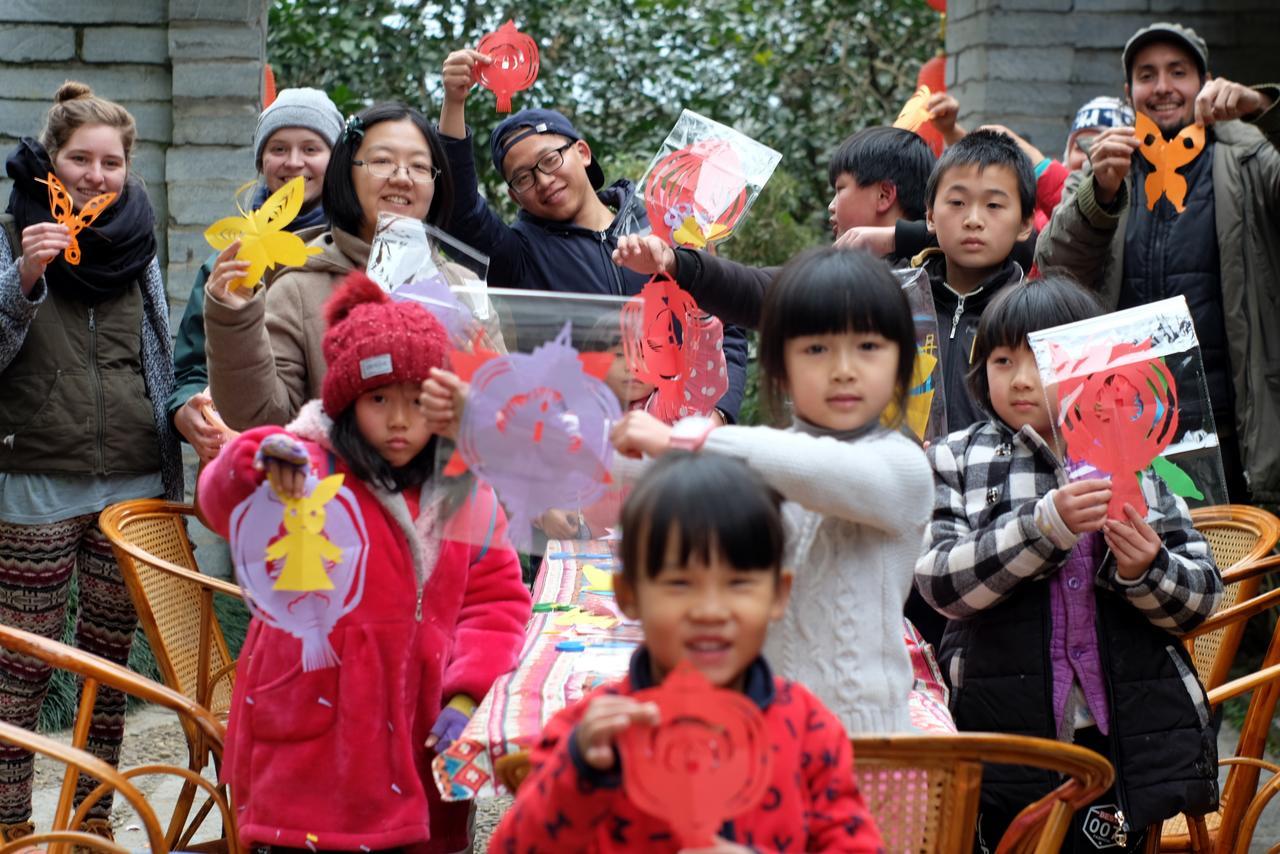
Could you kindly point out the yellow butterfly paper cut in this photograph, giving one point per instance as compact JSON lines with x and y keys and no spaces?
{"x":598,"y":580}
{"x":915,"y":112}
{"x":304,"y":547}
{"x":1165,"y":158}
{"x":263,"y":240}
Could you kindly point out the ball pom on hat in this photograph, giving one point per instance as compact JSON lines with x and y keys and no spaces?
{"x":373,"y":341}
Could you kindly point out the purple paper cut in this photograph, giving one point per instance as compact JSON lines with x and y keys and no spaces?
{"x":309,"y":616}
{"x":536,"y":428}
{"x":434,"y":294}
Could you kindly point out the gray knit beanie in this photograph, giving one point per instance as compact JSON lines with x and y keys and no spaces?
{"x":297,"y":108}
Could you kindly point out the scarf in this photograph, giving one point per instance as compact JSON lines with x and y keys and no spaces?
{"x":114,"y":251}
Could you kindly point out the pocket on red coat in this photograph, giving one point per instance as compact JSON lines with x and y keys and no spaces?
{"x":298,"y":706}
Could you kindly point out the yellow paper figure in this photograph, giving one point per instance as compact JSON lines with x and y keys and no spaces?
{"x":579,"y":617}
{"x":263,"y":241}
{"x":920,"y":394}
{"x":1165,"y":158}
{"x":915,"y":112}
{"x":304,"y":547}
{"x":597,"y":579}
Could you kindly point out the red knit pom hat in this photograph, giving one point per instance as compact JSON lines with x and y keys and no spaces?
{"x":375,"y":341}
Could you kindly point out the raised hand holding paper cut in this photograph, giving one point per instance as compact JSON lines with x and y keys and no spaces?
{"x":263,"y":241}
{"x":915,"y":112}
{"x":64,"y":213}
{"x":515,"y":63}
{"x":707,"y":761}
{"x":1166,"y":157}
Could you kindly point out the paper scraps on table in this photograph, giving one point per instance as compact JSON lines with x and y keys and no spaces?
{"x":1166,"y":157}
{"x":264,"y":242}
{"x":915,"y":112}
{"x":597,"y":579}
{"x":515,"y":63}
{"x":676,"y":347}
{"x":64,"y":213}
{"x":579,"y":618}
{"x":707,"y":761}
{"x":305,"y":586}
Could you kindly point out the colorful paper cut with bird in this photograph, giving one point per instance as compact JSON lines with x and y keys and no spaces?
{"x":536,"y":427}
{"x":1166,"y":157}
{"x":301,"y":563}
{"x":697,"y":195}
{"x":515,"y":63}
{"x":706,"y":761}
{"x":1118,"y":412}
{"x":915,"y":112}
{"x":673,"y":345}
{"x":64,"y":213}
{"x":264,"y":243}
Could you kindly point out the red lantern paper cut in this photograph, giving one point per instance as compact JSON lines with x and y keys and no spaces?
{"x":706,"y":762}
{"x":696,"y":195}
{"x":515,"y":63}
{"x":1119,"y":411}
{"x":673,"y":345}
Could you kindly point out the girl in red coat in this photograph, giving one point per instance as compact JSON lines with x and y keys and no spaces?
{"x":338,"y":758}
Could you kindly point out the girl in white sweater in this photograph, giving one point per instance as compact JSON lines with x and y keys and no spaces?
{"x":836,"y":338}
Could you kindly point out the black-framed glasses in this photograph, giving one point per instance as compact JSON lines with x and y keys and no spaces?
{"x":548,"y":164}
{"x":419,"y":173}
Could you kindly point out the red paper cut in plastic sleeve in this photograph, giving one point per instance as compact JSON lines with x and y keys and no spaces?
{"x":707,"y":761}
{"x":695,"y":196}
{"x":1118,"y":413}
{"x":515,"y":63}
{"x":674,"y":346}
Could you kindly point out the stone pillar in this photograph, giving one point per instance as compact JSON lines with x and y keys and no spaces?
{"x":1028,"y":64}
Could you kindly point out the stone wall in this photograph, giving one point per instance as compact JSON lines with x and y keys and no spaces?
{"x":190,"y":71}
{"x":1029,"y":64}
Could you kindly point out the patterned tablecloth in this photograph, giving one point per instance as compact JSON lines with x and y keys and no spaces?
{"x":547,"y":679}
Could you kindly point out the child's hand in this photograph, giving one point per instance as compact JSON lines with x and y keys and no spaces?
{"x":943,"y":112}
{"x":879,"y":240}
{"x":226,"y":269}
{"x":459,"y":73}
{"x":41,"y":243}
{"x":444,"y":396}
{"x":646,"y":255}
{"x":286,"y":464}
{"x":604,"y":719}
{"x":451,"y":722}
{"x":559,"y":524}
{"x":1082,"y":504}
{"x":722,"y":846}
{"x":639,"y":433}
{"x":1134,"y":543}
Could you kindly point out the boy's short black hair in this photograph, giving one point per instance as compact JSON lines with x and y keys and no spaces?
{"x":341,"y":204}
{"x":827,"y":290}
{"x":887,"y":154}
{"x":682,"y":500}
{"x":1020,"y":309}
{"x":986,"y":148}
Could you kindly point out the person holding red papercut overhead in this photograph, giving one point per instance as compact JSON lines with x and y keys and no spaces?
{"x":704,"y":576}
{"x":85,"y":369}
{"x":1065,"y":623}
{"x":565,"y":230}
{"x":1139,"y":225}
{"x":339,"y":757}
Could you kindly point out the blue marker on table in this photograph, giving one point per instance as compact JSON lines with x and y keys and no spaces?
{"x":570,"y":646}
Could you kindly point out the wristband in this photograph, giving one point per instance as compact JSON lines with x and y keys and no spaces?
{"x":688,"y":434}
{"x":1042,"y":166}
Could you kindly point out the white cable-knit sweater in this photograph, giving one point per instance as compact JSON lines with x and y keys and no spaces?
{"x":855,"y":515}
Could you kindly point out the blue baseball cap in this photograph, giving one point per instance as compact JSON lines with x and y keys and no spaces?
{"x":526,"y":123}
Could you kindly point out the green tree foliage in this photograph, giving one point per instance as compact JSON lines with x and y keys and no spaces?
{"x":798,"y":76}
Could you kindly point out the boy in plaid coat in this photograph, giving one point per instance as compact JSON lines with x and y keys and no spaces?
{"x":1064,"y":624}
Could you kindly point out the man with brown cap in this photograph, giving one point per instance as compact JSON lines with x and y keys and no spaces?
{"x":1216,"y":245}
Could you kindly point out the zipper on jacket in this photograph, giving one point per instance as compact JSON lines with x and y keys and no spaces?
{"x":417,"y":611}
{"x":608,"y":260}
{"x":99,"y":404}
{"x":955,"y":318}
{"x":1122,"y":834}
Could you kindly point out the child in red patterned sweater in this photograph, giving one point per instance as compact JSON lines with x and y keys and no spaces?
{"x":704,"y":576}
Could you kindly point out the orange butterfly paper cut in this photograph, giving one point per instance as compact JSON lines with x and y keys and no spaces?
{"x":63,"y":211}
{"x":263,"y":240}
{"x":915,"y":112}
{"x":1165,"y":157}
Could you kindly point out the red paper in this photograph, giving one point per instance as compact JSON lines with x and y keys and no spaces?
{"x":1118,"y":414}
{"x":706,"y":762}
{"x":515,"y":63}
{"x":696,"y":195}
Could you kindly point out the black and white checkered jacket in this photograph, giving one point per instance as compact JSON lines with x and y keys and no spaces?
{"x":983,"y":540}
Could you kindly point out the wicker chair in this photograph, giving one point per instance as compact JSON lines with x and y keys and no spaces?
{"x":923,"y":789}
{"x":1242,"y":539}
{"x":95,"y":671}
{"x":174,"y":602}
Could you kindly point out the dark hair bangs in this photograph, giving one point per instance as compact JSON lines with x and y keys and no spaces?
{"x":700,"y":507}
{"x":984,"y":149}
{"x":369,"y":466}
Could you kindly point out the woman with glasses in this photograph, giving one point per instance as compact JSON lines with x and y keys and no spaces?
{"x":264,"y":348}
